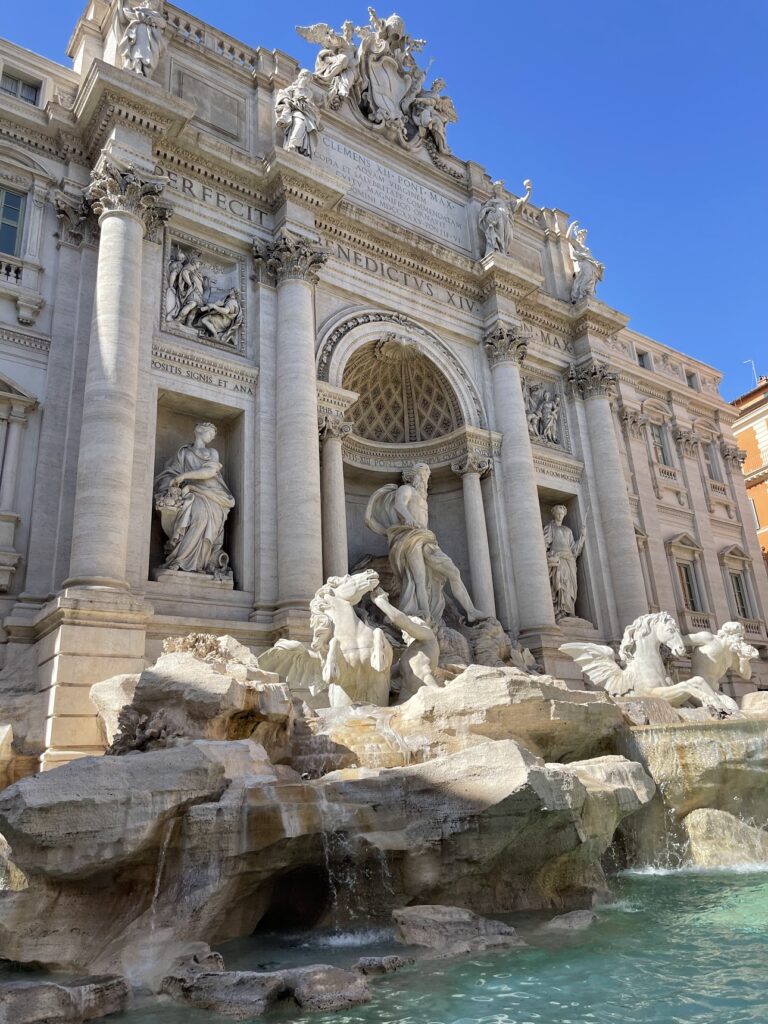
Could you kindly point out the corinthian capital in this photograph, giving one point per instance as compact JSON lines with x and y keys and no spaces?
{"x":332,"y":423}
{"x":592,"y":380}
{"x":472,"y":464}
{"x":125,"y":189}
{"x":506,"y":344}
{"x":290,"y":255}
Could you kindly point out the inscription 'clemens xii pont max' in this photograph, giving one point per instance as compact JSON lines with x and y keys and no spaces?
{"x":386,"y":191}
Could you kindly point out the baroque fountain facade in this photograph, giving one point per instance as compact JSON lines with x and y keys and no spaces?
{"x":373,"y":567}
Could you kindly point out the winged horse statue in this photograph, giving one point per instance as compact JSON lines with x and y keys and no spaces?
{"x":640,"y":671}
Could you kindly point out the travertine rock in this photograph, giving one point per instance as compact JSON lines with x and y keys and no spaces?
{"x":755,"y":703}
{"x":451,"y":929}
{"x":576,"y":921}
{"x":719,"y":839}
{"x":110,"y":696}
{"x":49,"y":1002}
{"x":381,"y":964}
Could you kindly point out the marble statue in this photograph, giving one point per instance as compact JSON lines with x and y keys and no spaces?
{"x":587,"y":271}
{"x":644,"y":673}
{"x":492,"y":646}
{"x":400,"y":513}
{"x":389,"y":75}
{"x":714,"y":654}
{"x":336,"y":63}
{"x":221,"y":319}
{"x":194,"y":502}
{"x":298,"y":115}
{"x":431,"y":112}
{"x":188,"y":299}
{"x":419,"y":661}
{"x":497,"y":217}
{"x":562,"y":553}
{"x":543,"y":413}
{"x":347,"y":656}
{"x":143,"y":35}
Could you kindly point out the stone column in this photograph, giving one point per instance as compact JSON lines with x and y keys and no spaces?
{"x":125,"y":202}
{"x":291,"y":261}
{"x":14,"y":436}
{"x":471,"y":469}
{"x":506,"y":348}
{"x":333,"y":429}
{"x":594,"y":384}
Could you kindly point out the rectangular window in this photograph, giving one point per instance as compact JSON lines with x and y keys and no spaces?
{"x":11,"y":221}
{"x":740,"y":595}
{"x":688,"y":587}
{"x":644,"y":360}
{"x":22,"y":90}
{"x":659,"y":445}
{"x":710,"y":460}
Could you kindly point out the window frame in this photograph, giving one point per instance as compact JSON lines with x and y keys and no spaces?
{"x":20,"y":81}
{"x":740,"y":592}
{"x":659,"y":443}
{"x":16,"y":254}
{"x":689,"y":586}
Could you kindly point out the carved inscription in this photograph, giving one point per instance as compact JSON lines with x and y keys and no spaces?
{"x":188,"y":366}
{"x":212,"y":197}
{"x":386,"y":191}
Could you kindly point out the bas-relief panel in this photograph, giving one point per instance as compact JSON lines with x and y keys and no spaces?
{"x":219,"y":111}
{"x":386,"y":191}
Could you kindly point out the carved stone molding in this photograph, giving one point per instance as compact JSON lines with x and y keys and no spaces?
{"x":290,"y":256}
{"x":77,"y":223}
{"x":562,"y":467}
{"x":465,"y":443}
{"x":592,"y":380}
{"x":332,"y":424}
{"x":473,"y":463}
{"x":732,"y":455}
{"x":634,"y":423}
{"x":126,"y":190}
{"x":687,"y":442}
{"x":506,"y":343}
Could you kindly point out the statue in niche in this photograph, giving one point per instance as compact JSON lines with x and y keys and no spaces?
{"x":143,"y":39}
{"x":336,"y":63}
{"x":639,"y":670}
{"x":714,"y":654}
{"x":400,"y":513}
{"x":298,"y":115}
{"x":562,"y":552}
{"x":431,"y":113}
{"x":497,"y":217}
{"x":190,"y":303}
{"x":194,"y":502}
{"x":587,"y":271}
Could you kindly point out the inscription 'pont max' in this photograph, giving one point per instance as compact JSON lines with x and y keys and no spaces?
{"x":387,"y":191}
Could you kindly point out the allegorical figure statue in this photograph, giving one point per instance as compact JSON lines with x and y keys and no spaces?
{"x":336,"y":63}
{"x":714,"y":654}
{"x":400,"y":513}
{"x":497,"y":217}
{"x":587,"y":271}
{"x":562,"y":552}
{"x":297,"y":113}
{"x":194,"y":502}
{"x":221,"y":319}
{"x":143,"y":39}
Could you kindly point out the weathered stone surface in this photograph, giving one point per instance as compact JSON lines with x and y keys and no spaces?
{"x":109,"y":697}
{"x":648,"y":711}
{"x":48,"y":1002}
{"x":719,"y":839}
{"x":381,"y":964}
{"x":451,"y":929}
{"x":755,"y":703}
{"x":482,"y":703}
{"x":575,"y":921}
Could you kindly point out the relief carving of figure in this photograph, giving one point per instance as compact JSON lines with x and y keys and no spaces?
{"x":298,"y":115}
{"x":497,"y":217}
{"x":542,"y":409}
{"x":194,"y":502}
{"x":714,"y":654}
{"x":400,"y":513}
{"x":188,"y":300}
{"x":562,"y":552}
{"x":222,"y":319}
{"x":336,"y":63}
{"x":143,"y":39}
{"x":587,"y":271}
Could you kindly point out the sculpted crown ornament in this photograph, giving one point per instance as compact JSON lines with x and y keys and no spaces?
{"x":732,"y":455}
{"x":290,"y":256}
{"x":333,"y":424}
{"x":687,"y":441}
{"x":506,"y":344}
{"x":592,"y":380}
{"x":634,"y":423}
{"x":126,"y":190}
{"x":472,"y":463}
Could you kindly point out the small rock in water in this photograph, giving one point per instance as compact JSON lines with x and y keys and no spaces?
{"x":451,"y":930}
{"x":48,"y":1002}
{"x":576,"y":921}
{"x":381,"y":964}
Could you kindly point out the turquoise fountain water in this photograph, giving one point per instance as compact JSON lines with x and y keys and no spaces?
{"x":676,"y":948}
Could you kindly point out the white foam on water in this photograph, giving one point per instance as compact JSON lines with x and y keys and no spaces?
{"x":361,"y":937}
{"x":694,"y":869}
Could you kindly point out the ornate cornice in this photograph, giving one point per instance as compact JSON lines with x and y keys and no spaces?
{"x":290,"y":256}
{"x":592,"y":380}
{"x":466,"y":442}
{"x":473,"y":463}
{"x":506,"y":343}
{"x":116,"y":189}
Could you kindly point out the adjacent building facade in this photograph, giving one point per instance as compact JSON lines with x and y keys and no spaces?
{"x":195,"y":231}
{"x":751,"y":433}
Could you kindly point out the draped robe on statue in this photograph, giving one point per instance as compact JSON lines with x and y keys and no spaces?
{"x":195,"y":530}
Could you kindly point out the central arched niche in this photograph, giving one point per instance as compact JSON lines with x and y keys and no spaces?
{"x":404,"y":396}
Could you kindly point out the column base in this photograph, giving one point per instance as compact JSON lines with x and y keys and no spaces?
{"x":95,"y":583}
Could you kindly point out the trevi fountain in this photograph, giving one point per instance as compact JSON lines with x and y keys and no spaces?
{"x":392,"y":648}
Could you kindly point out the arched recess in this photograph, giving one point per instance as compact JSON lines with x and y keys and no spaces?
{"x":350,"y":331}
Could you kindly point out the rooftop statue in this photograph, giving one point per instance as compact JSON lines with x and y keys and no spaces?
{"x":297,"y":113}
{"x":644,"y":673}
{"x":336,"y":64}
{"x":497,"y":217}
{"x":587,"y":271}
{"x":400,"y":513}
{"x":143,"y":37}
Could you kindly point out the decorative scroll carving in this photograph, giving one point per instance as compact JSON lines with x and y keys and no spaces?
{"x":290,"y":256}
{"x":506,"y":344}
{"x":592,"y":380}
{"x":634,"y":423}
{"x":77,"y":223}
{"x":332,"y":423}
{"x":473,"y":464}
{"x":125,"y":189}
{"x":733,"y":456}
{"x":687,"y":442}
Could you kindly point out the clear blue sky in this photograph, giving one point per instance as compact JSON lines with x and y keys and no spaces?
{"x":645,"y":119}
